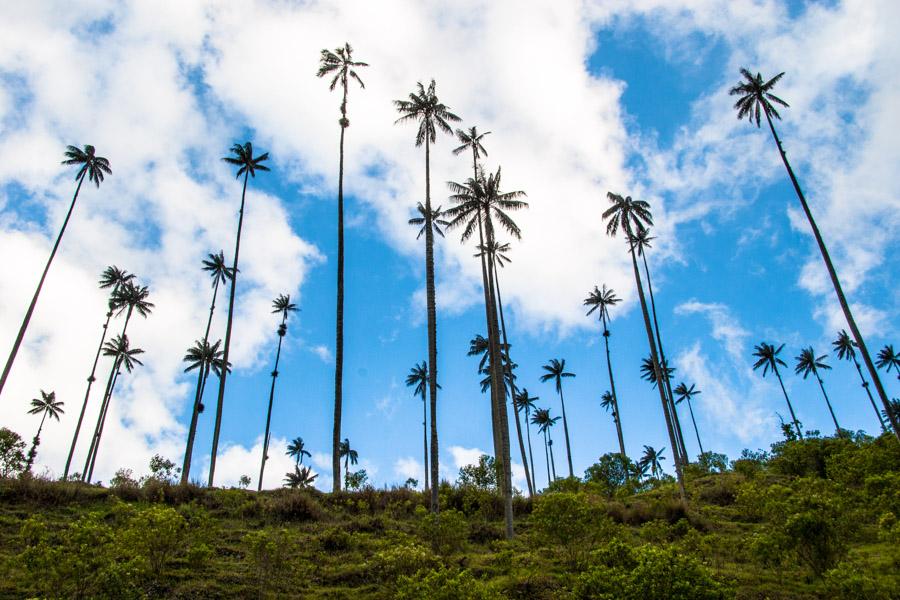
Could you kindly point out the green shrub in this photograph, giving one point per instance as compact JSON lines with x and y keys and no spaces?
{"x":443,"y":584}
{"x":291,"y":505}
{"x":268,"y":551}
{"x":570,"y":521}
{"x":334,"y":539}
{"x":157,"y":534}
{"x":402,"y":559}
{"x":854,"y":582}
{"x":446,"y":531}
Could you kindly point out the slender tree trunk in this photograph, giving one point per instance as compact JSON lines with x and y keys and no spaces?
{"x":37,"y":292}
{"x":432,"y":329}
{"x":530,"y":453}
{"x":562,"y":401}
{"x":612,"y":386}
{"x":547,"y":458}
{"x":790,"y":406}
{"x":865,"y":385}
{"x":265,"y":453}
{"x":339,"y":322}
{"x":842,"y":299}
{"x":226,"y":350}
{"x":425,"y":439}
{"x":659,"y":377}
{"x":552,"y":460}
{"x":694,"y":421}
{"x":495,"y":419}
{"x":109,"y":396}
{"x":35,"y":442}
{"x":837,"y":427}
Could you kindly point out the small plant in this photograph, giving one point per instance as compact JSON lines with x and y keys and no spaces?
{"x":244,"y":482}
{"x":356,"y":480}
{"x":12,"y":453}
{"x":446,"y":531}
{"x":267,"y":553}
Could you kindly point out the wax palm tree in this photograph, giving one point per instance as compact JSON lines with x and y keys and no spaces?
{"x":297,"y":449}
{"x":424,"y":108}
{"x":754,"y":97}
{"x":653,"y":458}
{"x":648,"y":372}
{"x":544,"y":421}
{"x":123,"y":355}
{"x":282,"y":304}
{"x":641,"y":240}
{"x":767,"y":358}
{"x":418,"y":377}
{"x":479,"y":346}
{"x":682,"y":393}
{"x":46,"y":405}
{"x":524,"y":401}
{"x":632,"y":216}
{"x":247,"y":165}
{"x":470,"y":139}
{"x":600,"y":301}
{"x":300,"y":478}
{"x":349,"y":455}
{"x":888,"y":359}
{"x":112,"y":277}
{"x":894,"y":407}
{"x":846,"y":350}
{"x":94,"y":168}
{"x":340,"y":65}
{"x":808,"y":362}
{"x":556,"y":372}
{"x":204,"y":357}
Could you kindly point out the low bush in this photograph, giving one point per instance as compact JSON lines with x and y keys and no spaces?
{"x":445,"y":531}
{"x":443,"y":584}
{"x":291,"y":505}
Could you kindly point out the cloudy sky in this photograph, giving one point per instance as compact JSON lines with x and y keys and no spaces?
{"x":580,"y":98}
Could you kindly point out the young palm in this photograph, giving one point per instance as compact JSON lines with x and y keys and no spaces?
{"x":470,"y":139}
{"x":808,"y":362}
{"x":297,"y":450}
{"x":754,"y":97}
{"x":556,"y":372}
{"x":544,"y":421}
{"x":282,"y":304}
{"x":112,"y":277}
{"x":653,"y":458}
{"x":682,"y":393}
{"x":524,"y":401}
{"x":204,"y":357}
{"x":300,"y":478}
{"x":94,"y":168}
{"x":601,"y":301}
{"x":418,"y":378}
{"x":340,"y":65}
{"x":846,"y":350}
{"x":632,"y":216}
{"x":247,"y":165}
{"x":46,"y":405}
{"x":349,"y":455}
{"x":767,"y":358}
{"x":888,"y":359}
{"x":424,"y":108}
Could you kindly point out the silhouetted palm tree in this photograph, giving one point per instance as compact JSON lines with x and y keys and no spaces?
{"x":349,"y":455}
{"x":524,"y":401}
{"x":648,"y":373}
{"x":682,"y":393}
{"x":204,"y":357}
{"x":653,"y":458}
{"x":544,"y":421}
{"x":247,"y":165}
{"x":301,"y":477}
{"x":556,"y":371}
{"x":479,"y":346}
{"x":808,"y":362}
{"x":767,"y":358}
{"x":471,"y":140}
{"x":44,"y":406}
{"x":341,"y":65}
{"x":602,"y":301}
{"x":894,"y":406}
{"x":282,"y":304}
{"x":846,"y":350}
{"x":297,"y":449}
{"x":112,"y":277}
{"x":94,"y":167}
{"x":424,"y":107}
{"x":755,"y":96}
{"x":418,"y":377}
{"x":888,"y":359}
{"x":632,"y":216}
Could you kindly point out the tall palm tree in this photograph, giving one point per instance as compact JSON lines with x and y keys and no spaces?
{"x":297,"y":449}
{"x":602,"y":301}
{"x":470,"y":139}
{"x":123,"y":355}
{"x":556,"y":372}
{"x":894,"y":406}
{"x":341,"y":65}
{"x":544,"y":421}
{"x":282,"y":304}
{"x":767,"y":358}
{"x":300,"y":478}
{"x":94,"y":168}
{"x":349,"y":455}
{"x":525,"y":401}
{"x":632,"y":216}
{"x":846,"y":350}
{"x":682,"y":393}
{"x":112,"y":277}
{"x":888,"y":359}
{"x":755,"y":96}
{"x":247,"y":164}
{"x":479,"y":346}
{"x":204,"y":357}
{"x":431,"y":114}
{"x":653,"y":458}
{"x":46,"y":405}
{"x":642,"y":241}
{"x":418,"y":377}
{"x":808,"y":362}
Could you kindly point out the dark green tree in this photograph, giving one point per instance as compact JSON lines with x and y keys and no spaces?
{"x":350,"y":456}
{"x":297,"y":450}
{"x":302,"y":477}
{"x":653,"y":458}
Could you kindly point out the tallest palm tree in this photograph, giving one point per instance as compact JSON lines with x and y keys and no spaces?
{"x":755,"y":97}
{"x":247,"y":164}
{"x":93,"y":167}
{"x":339,"y":63}
{"x":431,"y":114}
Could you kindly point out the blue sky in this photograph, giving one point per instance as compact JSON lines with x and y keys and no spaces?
{"x":580,"y":99}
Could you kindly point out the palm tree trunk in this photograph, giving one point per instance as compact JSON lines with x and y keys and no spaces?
{"x":547,"y":458}
{"x":425,"y":439}
{"x":694,"y":421}
{"x":35,"y":442}
{"x":432,"y":329}
{"x":865,"y":385}
{"x":512,"y":385}
{"x":530,"y":453}
{"x":109,"y":396}
{"x":495,"y":419}
{"x":87,"y":395}
{"x":265,"y":453}
{"x":37,"y":292}
{"x":562,"y":401}
{"x":837,"y":427}
{"x":339,"y":321}
{"x":552,"y":460}
{"x":656,"y":367}
{"x":842,"y":299}
{"x":221,"y":398}
{"x":612,"y":386}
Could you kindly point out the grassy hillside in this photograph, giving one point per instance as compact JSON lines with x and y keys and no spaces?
{"x":810,"y":519}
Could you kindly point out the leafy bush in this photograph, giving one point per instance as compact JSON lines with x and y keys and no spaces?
{"x":267,"y":554}
{"x":443,"y":584}
{"x":446,"y":531}
{"x":609,"y":474}
{"x":12,"y":453}
{"x":853,"y":582}
{"x":402,"y":559}
{"x":334,"y":539}
{"x":569,"y":521}
{"x":157,"y":534}
{"x":482,"y":476}
{"x":291,"y":505}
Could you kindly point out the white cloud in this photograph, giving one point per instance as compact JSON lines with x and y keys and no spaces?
{"x":725,"y":328}
{"x":323,"y":352}
{"x":406,"y":467}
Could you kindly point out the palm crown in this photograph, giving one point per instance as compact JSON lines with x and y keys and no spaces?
{"x":608,"y":402}
{"x":844,"y":346}
{"x":133,"y":297}
{"x":524,"y":401}
{"x":245,"y":161}
{"x":91,"y":164}
{"x":282,"y":304}
{"x":483,"y":194}
{"x":301,"y":477}
{"x":113,"y":276}
{"x":436,"y":221}
{"x":203,"y":354}
{"x":297,"y":449}
{"x":601,"y":300}
{"x":683,"y":392}
{"x":341,"y":64}
{"x":888,"y":359}
{"x":543,"y":420}
{"x":347,"y":452}
{"x":556,"y":370}
{"x":471,"y":140}
{"x":47,"y":404}
{"x":767,"y":356}
{"x":756,"y":96}
{"x":626,"y":214}
{"x":423,"y":106}
{"x":648,"y":373}
{"x":418,"y":377}
{"x":218,"y":270}
{"x":808,"y":362}
{"x":119,"y":347}
{"x":641,"y":240}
